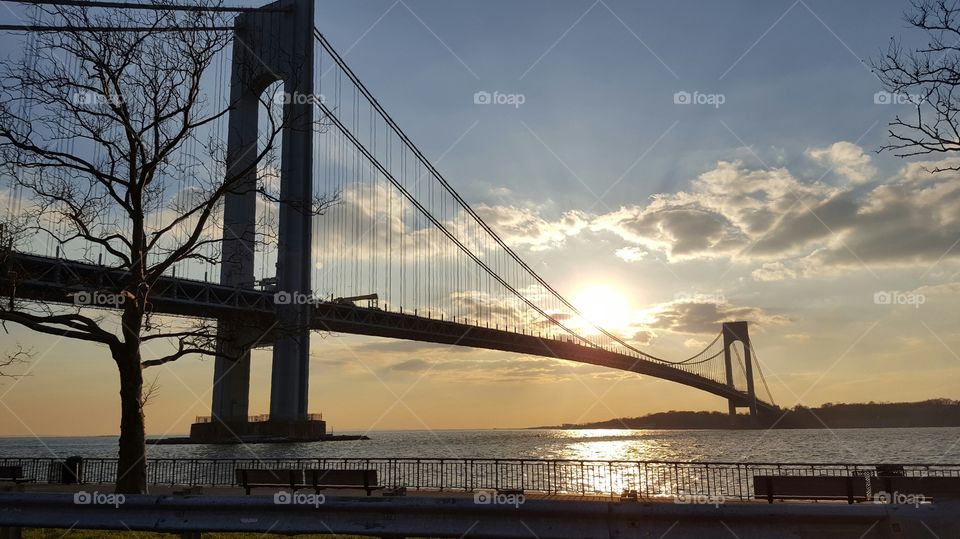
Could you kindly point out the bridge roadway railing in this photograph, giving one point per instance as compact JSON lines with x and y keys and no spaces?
{"x":651,"y":479}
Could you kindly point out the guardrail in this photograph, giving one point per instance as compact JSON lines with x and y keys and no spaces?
{"x":577,"y":477}
{"x":463,"y":516}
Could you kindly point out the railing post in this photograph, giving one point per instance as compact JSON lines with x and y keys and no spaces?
{"x":676,"y":480}
{"x":523,"y":480}
{"x":550,"y":474}
{"x":707,"y":470}
{"x":610,"y":477}
{"x":583,"y":487}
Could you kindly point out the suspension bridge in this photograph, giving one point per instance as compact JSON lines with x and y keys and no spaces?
{"x":398,"y":253}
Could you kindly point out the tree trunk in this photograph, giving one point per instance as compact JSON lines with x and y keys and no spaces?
{"x":132,"y":463}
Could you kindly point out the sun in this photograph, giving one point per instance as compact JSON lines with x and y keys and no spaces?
{"x":603,"y":305}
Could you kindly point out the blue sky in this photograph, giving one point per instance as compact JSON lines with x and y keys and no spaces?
{"x":599,"y":91}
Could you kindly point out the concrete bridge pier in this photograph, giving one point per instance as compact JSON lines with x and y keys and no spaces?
{"x":294,"y":46}
{"x":276,"y":44}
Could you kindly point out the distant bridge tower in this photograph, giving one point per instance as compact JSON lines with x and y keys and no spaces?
{"x":733,"y":332}
{"x":276,"y":44}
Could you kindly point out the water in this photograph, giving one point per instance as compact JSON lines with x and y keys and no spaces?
{"x":912,"y":445}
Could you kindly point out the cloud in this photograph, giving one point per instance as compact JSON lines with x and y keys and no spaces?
{"x":495,"y":368}
{"x":725,"y":212}
{"x":521,"y":226}
{"x":846,"y":159}
{"x":773,"y":271}
{"x":706,"y":317}
{"x":642,"y":337}
{"x":412,"y":365}
{"x":784,"y":226}
{"x":630,"y":254}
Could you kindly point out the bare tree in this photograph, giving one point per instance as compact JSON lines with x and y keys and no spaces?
{"x":96,"y":130}
{"x":18,"y":356}
{"x":927,"y":77}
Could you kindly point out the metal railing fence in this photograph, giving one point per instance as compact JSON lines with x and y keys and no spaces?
{"x":576,"y":477}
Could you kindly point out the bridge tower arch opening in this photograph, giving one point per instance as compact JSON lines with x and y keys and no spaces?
{"x":734,"y":334}
{"x":270,"y":47}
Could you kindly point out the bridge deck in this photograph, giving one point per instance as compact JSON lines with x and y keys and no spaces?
{"x":39,"y":278}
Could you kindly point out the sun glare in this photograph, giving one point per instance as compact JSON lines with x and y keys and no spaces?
{"x":603,"y":305}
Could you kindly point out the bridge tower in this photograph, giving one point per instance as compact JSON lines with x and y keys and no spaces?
{"x":733,"y":332}
{"x":275,"y":44}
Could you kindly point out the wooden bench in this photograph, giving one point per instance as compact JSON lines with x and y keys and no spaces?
{"x":810,"y":487}
{"x":248,"y":478}
{"x":928,"y":488}
{"x":323,"y":479}
{"x":12,"y":474}
{"x":308,"y":478}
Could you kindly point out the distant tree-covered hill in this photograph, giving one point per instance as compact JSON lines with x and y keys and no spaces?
{"x":929,"y":413}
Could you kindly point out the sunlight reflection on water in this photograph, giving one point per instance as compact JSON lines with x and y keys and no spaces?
{"x":919,"y":445}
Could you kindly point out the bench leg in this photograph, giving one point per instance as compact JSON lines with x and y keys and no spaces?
{"x":769,"y":490}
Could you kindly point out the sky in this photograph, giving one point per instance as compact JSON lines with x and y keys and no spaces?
{"x":695,"y":162}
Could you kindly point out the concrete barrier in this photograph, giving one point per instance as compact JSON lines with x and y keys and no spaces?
{"x":474,"y":517}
